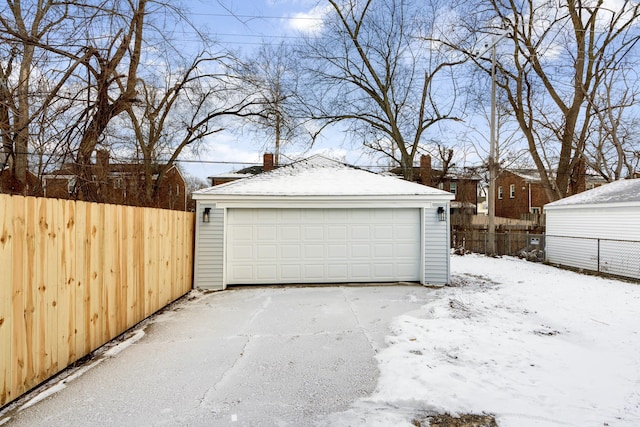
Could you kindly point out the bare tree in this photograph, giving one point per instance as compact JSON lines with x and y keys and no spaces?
{"x":178,"y":110}
{"x":23,"y":29}
{"x":373,"y":69}
{"x":563,"y":54}
{"x":613,"y":144}
{"x":272,"y":76}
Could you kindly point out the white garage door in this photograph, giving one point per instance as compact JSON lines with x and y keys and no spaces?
{"x":270,"y":246}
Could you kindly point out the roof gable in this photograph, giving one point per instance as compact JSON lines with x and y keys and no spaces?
{"x":624,"y":191}
{"x":321,"y":176}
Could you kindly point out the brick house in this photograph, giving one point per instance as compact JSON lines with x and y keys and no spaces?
{"x":267,"y":165}
{"x":520,"y":192}
{"x":121,"y":183}
{"x":464,"y":186}
{"x":10,"y":185}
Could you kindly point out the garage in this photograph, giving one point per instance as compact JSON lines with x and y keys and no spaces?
{"x":321,"y":221}
{"x":270,"y":246}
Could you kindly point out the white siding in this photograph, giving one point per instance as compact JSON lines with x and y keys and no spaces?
{"x":209,"y":251}
{"x":581,"y":236}
{"x":436,"y":248}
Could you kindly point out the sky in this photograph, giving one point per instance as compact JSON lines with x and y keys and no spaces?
{"x":244,"y":25}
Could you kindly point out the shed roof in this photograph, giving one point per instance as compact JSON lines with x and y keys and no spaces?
{"x":321,"y":176}
{"x":624,"y":191}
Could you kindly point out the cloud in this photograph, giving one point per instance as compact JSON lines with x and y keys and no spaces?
{"x":310,"y":22}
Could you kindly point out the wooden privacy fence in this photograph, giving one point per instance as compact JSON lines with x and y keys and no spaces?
{"x":74,"y":275}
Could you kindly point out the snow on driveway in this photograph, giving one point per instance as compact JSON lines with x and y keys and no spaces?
{"x":532,"y":344}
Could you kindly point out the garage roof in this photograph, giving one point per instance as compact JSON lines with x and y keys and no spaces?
{"x":624,"y":191}
{"x":321,"y":176}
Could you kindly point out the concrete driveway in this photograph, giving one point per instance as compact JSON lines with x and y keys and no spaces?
{"x":251,"y":356}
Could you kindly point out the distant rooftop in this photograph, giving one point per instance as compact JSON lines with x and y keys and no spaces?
{"x":624,"y":191}
{"x":319,"y":175}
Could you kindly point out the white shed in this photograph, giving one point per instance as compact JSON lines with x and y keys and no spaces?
{"x":321,"y":221}
{"x":597,"y":230}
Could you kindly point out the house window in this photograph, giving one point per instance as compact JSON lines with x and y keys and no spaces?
{"x":453,"y":187}
{"x":500,"y":192}
{"x":535,"y":211}
{"x":71,"y":184}
{"x":512,"y":191}
{"x":440,"y":186}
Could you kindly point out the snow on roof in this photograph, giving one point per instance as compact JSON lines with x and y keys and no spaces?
{"x":526,"y":174}
{"x":231,"y":175}
{"x":321,"y":176}
{"x":623,"y":191}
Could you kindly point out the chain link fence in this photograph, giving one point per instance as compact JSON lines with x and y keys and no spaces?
{"x":608,"y":256}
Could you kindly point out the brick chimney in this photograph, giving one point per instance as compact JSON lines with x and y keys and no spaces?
{"x":425,"y":169}
{"x":102,"y":159}
{"x":267,"y":162}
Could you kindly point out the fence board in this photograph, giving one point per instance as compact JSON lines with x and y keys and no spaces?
{"x":76,"y":275}
{"x":6,"y":294}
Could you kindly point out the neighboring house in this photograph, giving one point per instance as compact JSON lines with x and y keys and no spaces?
{"x":121,"y":183}
{"x":10,"y":185}
{"x":463,"y":186}
{"x":321,"y":221}
{"x":597,"y":230}
{"x":520,"y":192}
{"x":267,"y":165}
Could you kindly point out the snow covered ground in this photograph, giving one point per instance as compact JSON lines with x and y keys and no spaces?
{"x":529,"y":343}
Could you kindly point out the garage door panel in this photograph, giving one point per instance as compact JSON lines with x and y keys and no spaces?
{"x":242,"y":252}
{"x":360,"y":232}
{"x":314,"y":252}
{"x":288,"y":252}
{"x":243,"y":233}
{"x":383,"y":232}
{"x":265,"y":272}
{"x":314,"y":272}
{"x":291,"y":272}
{"x":383,"y":269}
{"x":385,"y":215}
{"x":361,"y":271}
{"x":337,"y":232}
{"x":406,"y":251}
{"x":360,"y":251}
{"x":337,"y":271}
{"x":267,"y":252}
{"x":267,"y":233}
{"x":383,"y":251}
{"x":404,"y":270}
{"x":338,"y":252}
{"x":313,"y":233}
{"x":290,"y":233}
{"x":264,"y":215}
{"x":322,"y":245}
{"x":404,"y":232}
{"x":243,"y":272}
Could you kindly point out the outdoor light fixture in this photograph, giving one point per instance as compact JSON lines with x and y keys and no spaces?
{"x":442,"y":216}
{"x":205,"y":214}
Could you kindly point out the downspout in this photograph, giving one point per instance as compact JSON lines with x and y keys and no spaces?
{"x":529,"y":183}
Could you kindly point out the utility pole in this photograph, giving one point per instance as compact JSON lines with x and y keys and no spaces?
{"x":491,"y":226}
{"x":493,"y":140}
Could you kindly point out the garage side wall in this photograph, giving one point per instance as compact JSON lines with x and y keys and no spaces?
{"x":209,"y":256}
{"x":436,"y":248}
{"x":595,"y":238}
